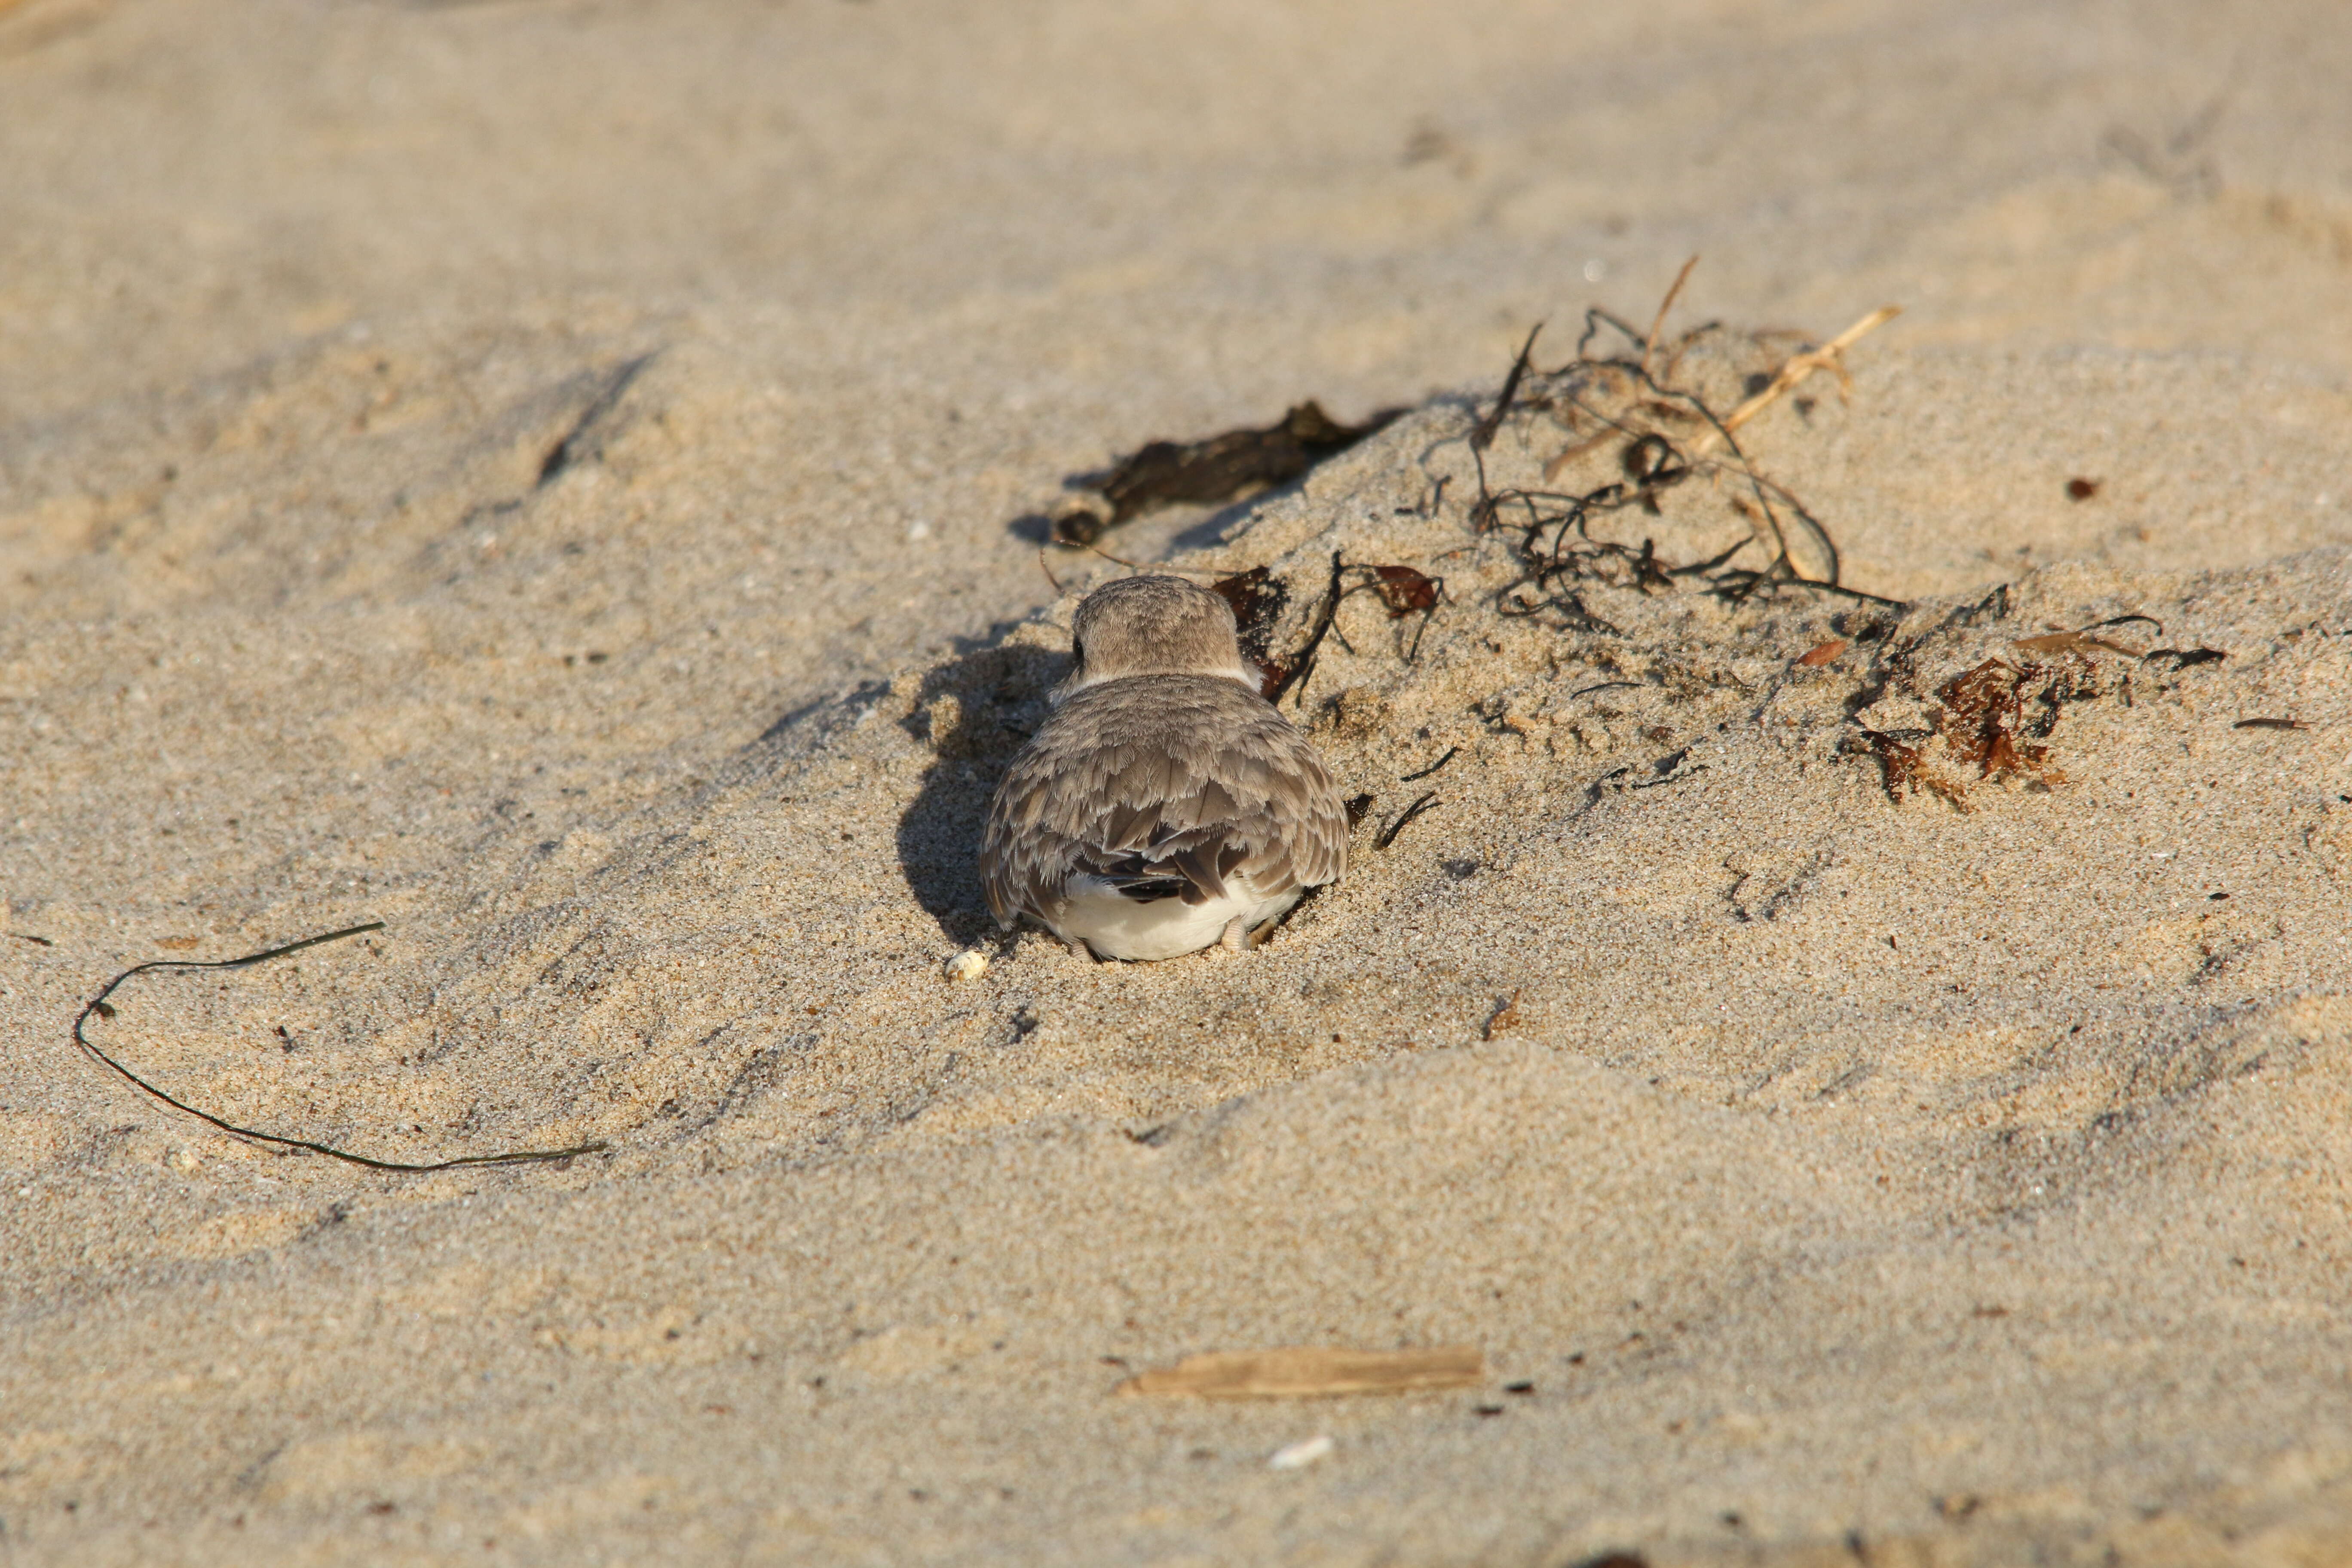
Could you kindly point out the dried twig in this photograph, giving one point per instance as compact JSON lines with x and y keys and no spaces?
{"x":1481,"y":435}
{"x":1799,"y":367}
{"x":1658,"y":322}
{"x":1308,"y":1372}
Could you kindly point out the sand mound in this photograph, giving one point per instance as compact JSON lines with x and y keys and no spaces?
{"x":1768,"y":1019}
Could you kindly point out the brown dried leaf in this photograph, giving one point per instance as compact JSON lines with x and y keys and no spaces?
{"x":1405,"y":590}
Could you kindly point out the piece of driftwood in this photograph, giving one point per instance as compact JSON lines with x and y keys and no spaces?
{"x":1309,"y":1372}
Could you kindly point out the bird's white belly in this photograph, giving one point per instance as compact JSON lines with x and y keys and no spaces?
{"x":1119,"y":927}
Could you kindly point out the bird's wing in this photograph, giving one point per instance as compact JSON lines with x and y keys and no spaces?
{"x":1163,"y":787}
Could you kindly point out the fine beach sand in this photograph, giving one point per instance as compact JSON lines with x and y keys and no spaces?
{"x":566,"y":480}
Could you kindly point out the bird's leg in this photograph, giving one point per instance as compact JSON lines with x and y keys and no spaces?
{"x":1236,"y":938}
{"x":1080,"y":950}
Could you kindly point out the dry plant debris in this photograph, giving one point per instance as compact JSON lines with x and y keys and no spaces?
{"x":1631,"y":423}
{"x":1312,"y":1371}
{"x":1619,"y":471}
{"x":1257,"y":596}
{"x":1982,"y":731}
{"x":1586,"y":492}
{"x":1830,"y":357}
{"x":1988,"y":723}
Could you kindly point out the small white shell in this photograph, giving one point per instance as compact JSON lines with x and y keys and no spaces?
{"x":969,"y":964}
{"x":1299,"y":1455}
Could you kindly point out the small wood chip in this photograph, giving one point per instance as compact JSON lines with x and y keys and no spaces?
{"x":1309,"y":1372}
{"x":1823,"y":654}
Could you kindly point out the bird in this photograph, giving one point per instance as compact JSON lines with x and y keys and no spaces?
{"x":1164,"y":805}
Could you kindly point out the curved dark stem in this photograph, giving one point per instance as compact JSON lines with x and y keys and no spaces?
{"x":98,"y":1007}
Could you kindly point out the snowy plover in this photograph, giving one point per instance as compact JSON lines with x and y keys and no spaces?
{"x":1164,"y":805}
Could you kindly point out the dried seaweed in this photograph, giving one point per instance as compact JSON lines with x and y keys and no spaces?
{"x":1302,"y":663}
{"x":1481,"y":435}
{"x":1405,"y":590}
{"x":1218,"y":468}
{"x":2074,"y":642}
{"x":1257,"y":596}
{"x":1632,"y":403}
{"x":1984,"y":711}
{"x":1992,"y":719}
{"x":2080,"y":639}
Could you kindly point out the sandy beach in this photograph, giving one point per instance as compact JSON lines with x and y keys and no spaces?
{"x":1841,"y":1000}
